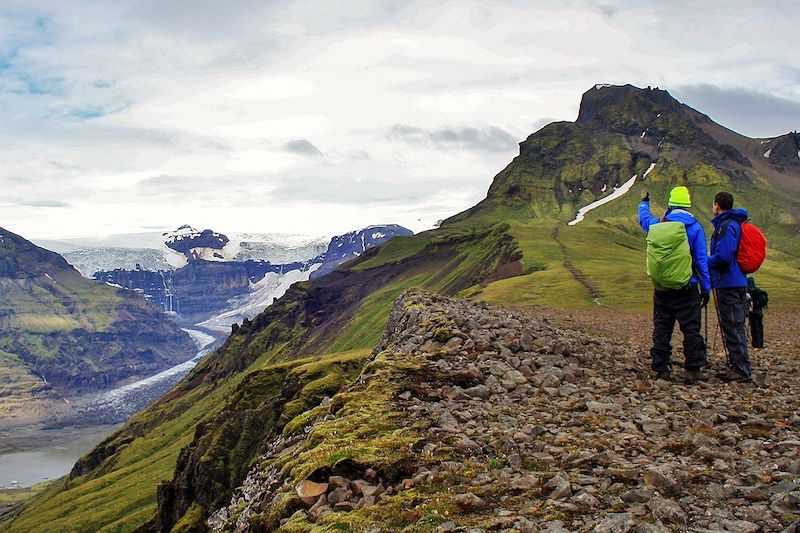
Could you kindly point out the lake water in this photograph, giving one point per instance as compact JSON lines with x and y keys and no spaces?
{"x":23,"y":469}
{"x":60,"y":448}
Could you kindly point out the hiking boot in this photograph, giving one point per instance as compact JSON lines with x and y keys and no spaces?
{"x":663,"y":375}
{"x":693,"y":376}
{"x":733,"y":376}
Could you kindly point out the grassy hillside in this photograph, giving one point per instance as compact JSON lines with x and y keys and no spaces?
{"x":62,"y":333}
{"x":515,"y":247}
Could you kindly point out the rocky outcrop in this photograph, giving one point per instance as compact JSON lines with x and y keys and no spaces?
{"x":186,"y":239}
{"x":224,"y":448}
{"x":477,"y":418}
{"x":783,"y":151}
{"x":598,"y":105}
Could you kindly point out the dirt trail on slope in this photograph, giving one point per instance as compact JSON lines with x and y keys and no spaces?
{"x":577,"y":273}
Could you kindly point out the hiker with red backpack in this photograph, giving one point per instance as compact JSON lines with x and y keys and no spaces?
{"x":736,"y":248}
{"x":677,"y":264}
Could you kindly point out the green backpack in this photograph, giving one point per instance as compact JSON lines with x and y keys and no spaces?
{"x":669,"y":259}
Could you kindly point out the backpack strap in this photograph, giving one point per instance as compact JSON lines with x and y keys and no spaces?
{"x":722,"y":229}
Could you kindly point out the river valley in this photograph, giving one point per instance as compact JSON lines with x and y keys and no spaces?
{"x":49,"y":449}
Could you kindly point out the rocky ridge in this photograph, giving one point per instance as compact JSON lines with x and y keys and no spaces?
{"x":493,"y":420}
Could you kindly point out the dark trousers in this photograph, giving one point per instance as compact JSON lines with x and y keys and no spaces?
{"x":757,"y":329}
{"x":732,"y":309}
{"x":684,"y":306}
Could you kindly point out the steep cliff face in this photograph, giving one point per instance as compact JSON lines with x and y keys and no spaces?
{"x":155,"y":286}
{"x":75,"y":334}
{"x":199,"y":289}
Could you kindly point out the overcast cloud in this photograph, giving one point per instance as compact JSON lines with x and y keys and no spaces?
{"x":321,"y":117}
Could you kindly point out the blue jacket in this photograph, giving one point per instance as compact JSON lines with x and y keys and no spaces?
{"x":725,"y":269}
{"x":695,"y":233}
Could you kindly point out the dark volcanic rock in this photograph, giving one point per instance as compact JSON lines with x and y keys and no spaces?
{"x":187,"y":240}
{"x":783,"y":151}
{"x":599,"y":104}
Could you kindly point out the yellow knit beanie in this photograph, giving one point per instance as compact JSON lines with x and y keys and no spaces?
{"x":679,"y":197}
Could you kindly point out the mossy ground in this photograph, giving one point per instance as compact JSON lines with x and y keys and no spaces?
{"x":370,"y":428}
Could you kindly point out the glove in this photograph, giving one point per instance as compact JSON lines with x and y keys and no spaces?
{"x":704,"y":299}
{"x":646,"y":197}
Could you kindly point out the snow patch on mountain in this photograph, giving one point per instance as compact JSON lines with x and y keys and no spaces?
{"x":617,"y":193}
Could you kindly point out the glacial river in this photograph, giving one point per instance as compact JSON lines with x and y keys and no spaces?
{"x":102,"y":414}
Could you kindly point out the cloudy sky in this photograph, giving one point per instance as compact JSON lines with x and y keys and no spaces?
{"x":319,"y":117}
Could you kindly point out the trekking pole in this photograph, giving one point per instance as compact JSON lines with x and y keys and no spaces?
{"x":721,"y":331}
{"x":708,"y":363}
{"x":714,"y":347}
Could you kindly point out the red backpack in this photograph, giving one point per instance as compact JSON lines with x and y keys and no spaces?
{"x":752,"y":248}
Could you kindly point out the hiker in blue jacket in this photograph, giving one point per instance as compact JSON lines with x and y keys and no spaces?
{"x":684,"y":305}
{"x":730,"y":284}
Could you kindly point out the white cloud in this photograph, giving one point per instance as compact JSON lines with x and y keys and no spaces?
{"x":125,"y":114}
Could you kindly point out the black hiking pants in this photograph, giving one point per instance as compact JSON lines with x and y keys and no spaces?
{"x":684,"y":306}
{"x":757,"y":329}
{"x":732,"y":309}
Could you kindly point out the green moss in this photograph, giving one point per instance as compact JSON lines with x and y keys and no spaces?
{"x":788,"y":519}
{"x":191,"y":522}
{"x":323,"y":378}
{"x":420,"y":509}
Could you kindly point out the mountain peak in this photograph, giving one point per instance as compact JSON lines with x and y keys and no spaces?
{"x":605,"y":103}
{"x":21,"y":258}
{"x":784,"y":150}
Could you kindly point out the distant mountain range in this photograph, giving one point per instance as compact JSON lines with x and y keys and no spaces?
{"x":306,"y":390}
{"x":219,"y":290}
{"x":171,"y":250}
